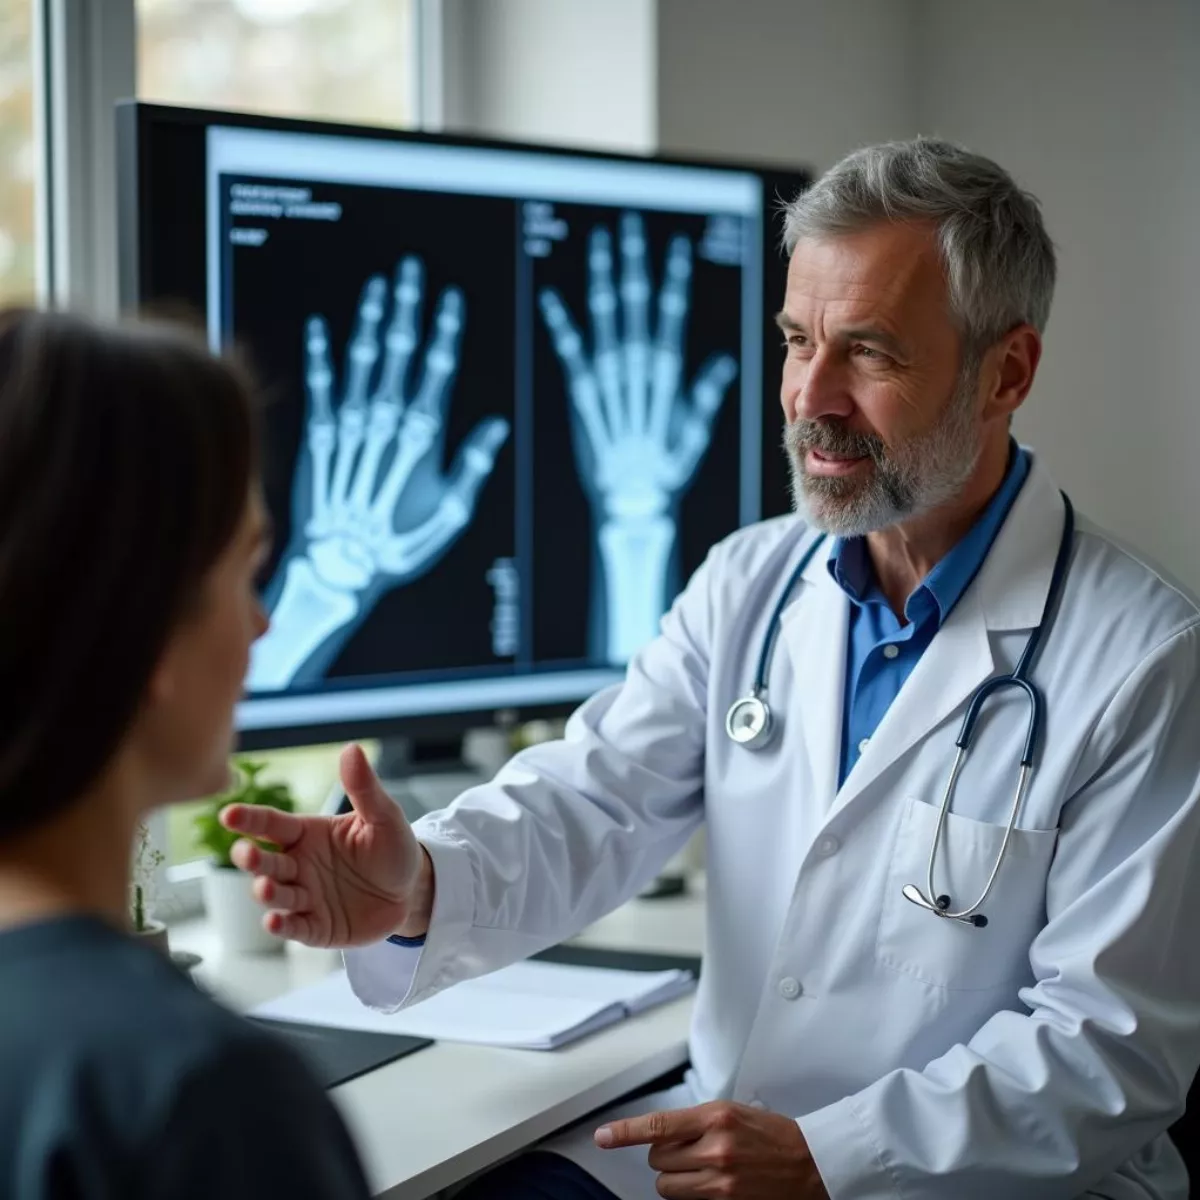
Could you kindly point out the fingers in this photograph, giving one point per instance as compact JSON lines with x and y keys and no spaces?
{"x":251,"y":857}
{"x":709,"y":389}
{"x":416,"y":548}
{"x":668,"y":343}
{"x":401,"y":338}
{"x":318,"y":377}
{"x":441,"y":359}
{"x":696,"y":430}
{"x":260,"y":821}
{"x":364,"y":348}
{"x":581,"y":382}
{"x":296,"y":927}
{"x":690,"y":1185}
{"x":363,"y":789}
{"x":281,"y":896}
{"x":635,"y":296}
{"x":425,"y":417}
{"x":476,"y":459}
{"x":671,"y":1125}
{"x":675,"y":1156}
{"x":602,"y":300}
{"x":318,"y":373}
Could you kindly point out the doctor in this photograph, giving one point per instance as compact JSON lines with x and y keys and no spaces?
{"x":1019,"y":1016}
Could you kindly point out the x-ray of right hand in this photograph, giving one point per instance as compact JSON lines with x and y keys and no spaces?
{"x":371,"y":502}
{"x":644,"y":434}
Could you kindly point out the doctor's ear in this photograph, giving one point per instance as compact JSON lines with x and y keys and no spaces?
{"x":1007,"y":371}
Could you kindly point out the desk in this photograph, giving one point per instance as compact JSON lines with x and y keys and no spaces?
{"x":501,"y":1100}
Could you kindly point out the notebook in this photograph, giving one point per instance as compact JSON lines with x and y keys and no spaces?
{"x":529,"y":1005}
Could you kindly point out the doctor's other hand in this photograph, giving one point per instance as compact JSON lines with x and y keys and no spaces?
{"x":348,"y":880}
{"x":722,"y":1149}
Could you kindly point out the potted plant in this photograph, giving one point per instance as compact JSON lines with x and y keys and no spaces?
{"x":147,"y":858}
{"x":235,"y":914}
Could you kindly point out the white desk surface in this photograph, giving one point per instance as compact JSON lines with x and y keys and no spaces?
{"x":442,"y":1114}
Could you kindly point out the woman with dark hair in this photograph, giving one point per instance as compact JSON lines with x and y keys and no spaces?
{"x":131,"y":532}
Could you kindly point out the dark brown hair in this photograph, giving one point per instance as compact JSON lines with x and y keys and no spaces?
{"x":127,"y":455}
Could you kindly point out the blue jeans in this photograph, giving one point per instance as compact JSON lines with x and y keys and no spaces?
{"x":538,"y":1175}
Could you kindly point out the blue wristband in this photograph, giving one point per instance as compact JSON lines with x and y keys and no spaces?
{"x":397,"y":940}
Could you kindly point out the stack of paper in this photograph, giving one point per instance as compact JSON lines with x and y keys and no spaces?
{"x":530,"y":1005}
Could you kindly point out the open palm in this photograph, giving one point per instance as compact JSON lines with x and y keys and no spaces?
{"x":339,"y":881}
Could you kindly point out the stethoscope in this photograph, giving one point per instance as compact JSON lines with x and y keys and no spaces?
{"x":749,"y":723}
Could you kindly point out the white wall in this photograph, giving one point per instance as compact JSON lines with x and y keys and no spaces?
{"x":575,"y":72}
{"x":1095,"y":106}
{"x":787,"y":81}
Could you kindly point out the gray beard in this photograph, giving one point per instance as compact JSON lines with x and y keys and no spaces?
{"x":906,"y":481}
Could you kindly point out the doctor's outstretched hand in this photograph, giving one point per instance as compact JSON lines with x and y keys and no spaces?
{"x":722,"y":1149}
{"x":348,"y":880}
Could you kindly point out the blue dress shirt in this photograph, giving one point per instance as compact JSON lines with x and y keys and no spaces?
{"x":880,"y":651}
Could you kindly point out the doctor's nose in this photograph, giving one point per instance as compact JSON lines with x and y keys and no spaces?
{"x":816,"y":389}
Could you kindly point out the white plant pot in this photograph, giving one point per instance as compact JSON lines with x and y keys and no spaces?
{"x":235,"y":915}
{"x":154,"y":934}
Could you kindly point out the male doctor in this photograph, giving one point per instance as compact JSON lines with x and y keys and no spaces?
{"x":1024,"y":1020}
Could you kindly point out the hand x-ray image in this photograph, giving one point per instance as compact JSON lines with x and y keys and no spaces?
{"x":372,"y":507}
{"x":641,"y":415}
{"x":390,"y":474}
{"x":508,"y":408}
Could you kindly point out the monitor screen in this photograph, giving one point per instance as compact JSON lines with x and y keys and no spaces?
{"x":513,"y":395}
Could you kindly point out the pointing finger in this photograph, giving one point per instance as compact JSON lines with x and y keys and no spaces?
{"x":674,"y":1125}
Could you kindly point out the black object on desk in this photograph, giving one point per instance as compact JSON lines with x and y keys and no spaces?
{"x":621,"y":960}
{"x":339,"y":1055}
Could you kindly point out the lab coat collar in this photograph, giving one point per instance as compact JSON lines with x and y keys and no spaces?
{"x":1015,"y":577}
{"x":1009,"y":593}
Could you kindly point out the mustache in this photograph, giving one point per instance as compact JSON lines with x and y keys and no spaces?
{"x":831,"y":437}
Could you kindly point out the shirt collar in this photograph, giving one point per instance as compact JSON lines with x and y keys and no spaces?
{"x":850,"y":565}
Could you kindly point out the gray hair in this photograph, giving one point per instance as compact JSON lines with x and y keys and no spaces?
{"x":998,"y":259}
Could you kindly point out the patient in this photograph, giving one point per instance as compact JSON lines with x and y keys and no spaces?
{"x":131,"y":530}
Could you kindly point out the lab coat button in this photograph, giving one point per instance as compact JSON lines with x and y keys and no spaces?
{"x":891,"y":650}
{"x":757,"y":1103}
{"x":828,"y":846}
{"x":789,"y":988}
{"x":862,"y":745}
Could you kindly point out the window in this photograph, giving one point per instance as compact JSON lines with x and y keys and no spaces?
{"x":18,"y":154}
{"x":351,"y":60}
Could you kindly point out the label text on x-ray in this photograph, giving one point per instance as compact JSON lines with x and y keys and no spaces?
{"x":506,"y":615}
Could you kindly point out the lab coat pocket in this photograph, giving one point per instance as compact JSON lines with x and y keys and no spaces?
{"x":952,"y":954}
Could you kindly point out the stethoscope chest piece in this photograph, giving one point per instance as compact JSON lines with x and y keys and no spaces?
{"x":748,"y":722}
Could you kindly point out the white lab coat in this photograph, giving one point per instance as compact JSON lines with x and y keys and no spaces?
{"x":1040,"y":1057}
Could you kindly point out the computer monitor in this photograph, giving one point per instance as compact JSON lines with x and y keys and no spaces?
{"x":514,"y":394}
